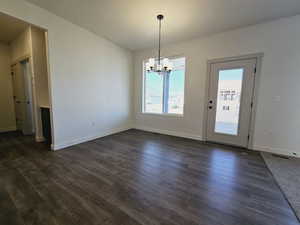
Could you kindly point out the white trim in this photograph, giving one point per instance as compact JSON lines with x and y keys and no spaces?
{"x":49,"y":77}
{"x":199,"y":138}
{"x":280,"y":151}
{"x":259,"y":61}
{"x":169,"y":132}
{"x":7,"y":129}
{"x":235,"y":58}
{"x":39,"y":139}
{"x":88,"y":138}
{"x":163,"y":114}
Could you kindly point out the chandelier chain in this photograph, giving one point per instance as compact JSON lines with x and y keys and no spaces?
{"x":159,"y":40}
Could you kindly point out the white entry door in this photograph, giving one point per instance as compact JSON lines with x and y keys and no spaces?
{"x":230,"y":101}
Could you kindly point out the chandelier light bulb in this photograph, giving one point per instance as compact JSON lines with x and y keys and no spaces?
{"x":151,"y":62}
{"x":147,"y":65}
{"x":159,"y":68}
{"x":165,"y":62}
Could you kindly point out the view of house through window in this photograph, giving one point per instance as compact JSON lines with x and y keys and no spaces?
{"x":164,"y":94}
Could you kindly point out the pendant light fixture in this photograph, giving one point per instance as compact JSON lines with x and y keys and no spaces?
{"x":159,"y":65}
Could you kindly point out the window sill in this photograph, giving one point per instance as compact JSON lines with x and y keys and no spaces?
{"x":163,"y":114}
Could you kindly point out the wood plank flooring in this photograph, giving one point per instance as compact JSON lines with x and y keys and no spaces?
{"x":136,"y":178}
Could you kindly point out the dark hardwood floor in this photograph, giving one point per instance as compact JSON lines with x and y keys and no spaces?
{"x":136,"y":178}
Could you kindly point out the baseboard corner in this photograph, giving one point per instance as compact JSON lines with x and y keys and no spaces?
{"x":70,"y":143}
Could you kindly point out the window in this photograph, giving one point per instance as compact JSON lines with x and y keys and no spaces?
{"x":228,"y":104}
{"x":164,"y":94}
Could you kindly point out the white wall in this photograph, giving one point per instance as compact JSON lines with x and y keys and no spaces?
{"x":21,"y":46}
{"x":7,"y":111}
{"x":40,"y":65}
{"x":277,"y":118}
{"x":90,"y":77}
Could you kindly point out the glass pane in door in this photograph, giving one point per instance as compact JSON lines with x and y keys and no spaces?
{"x":228,"y":101}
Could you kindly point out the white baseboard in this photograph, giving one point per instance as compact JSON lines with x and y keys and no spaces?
{"x":169,"y":132}
{"x":196,"y":137}
{"x":279,"y":151}
{"x":39,"y":139}
{"x":7,"y":129}
{"x":88,"y":138}
{"x":160,"y":131}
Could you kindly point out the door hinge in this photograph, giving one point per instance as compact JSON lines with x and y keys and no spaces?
{"x":248,"y":136}
{"x":251,"y":104}
{"x":255,"y":70}
{"x":12,"y":73}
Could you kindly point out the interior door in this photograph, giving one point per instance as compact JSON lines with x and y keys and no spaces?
{"x":230,"y":101}
{"x":19,"y":95}
{"x":22,"y":98}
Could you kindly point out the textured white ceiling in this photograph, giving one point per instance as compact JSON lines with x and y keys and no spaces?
{"x":132,"y":23}
{"x":10,"y":28}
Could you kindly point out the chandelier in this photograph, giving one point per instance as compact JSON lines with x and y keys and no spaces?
{"x":159,"y":65}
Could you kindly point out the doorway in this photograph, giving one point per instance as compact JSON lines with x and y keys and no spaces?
{"x":22,"y":95}
{"x":230,"y":94}
{"x":24,"y":75}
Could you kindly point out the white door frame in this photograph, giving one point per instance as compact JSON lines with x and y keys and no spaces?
{"x":258,"y":57}
{"x":28,"y":86}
